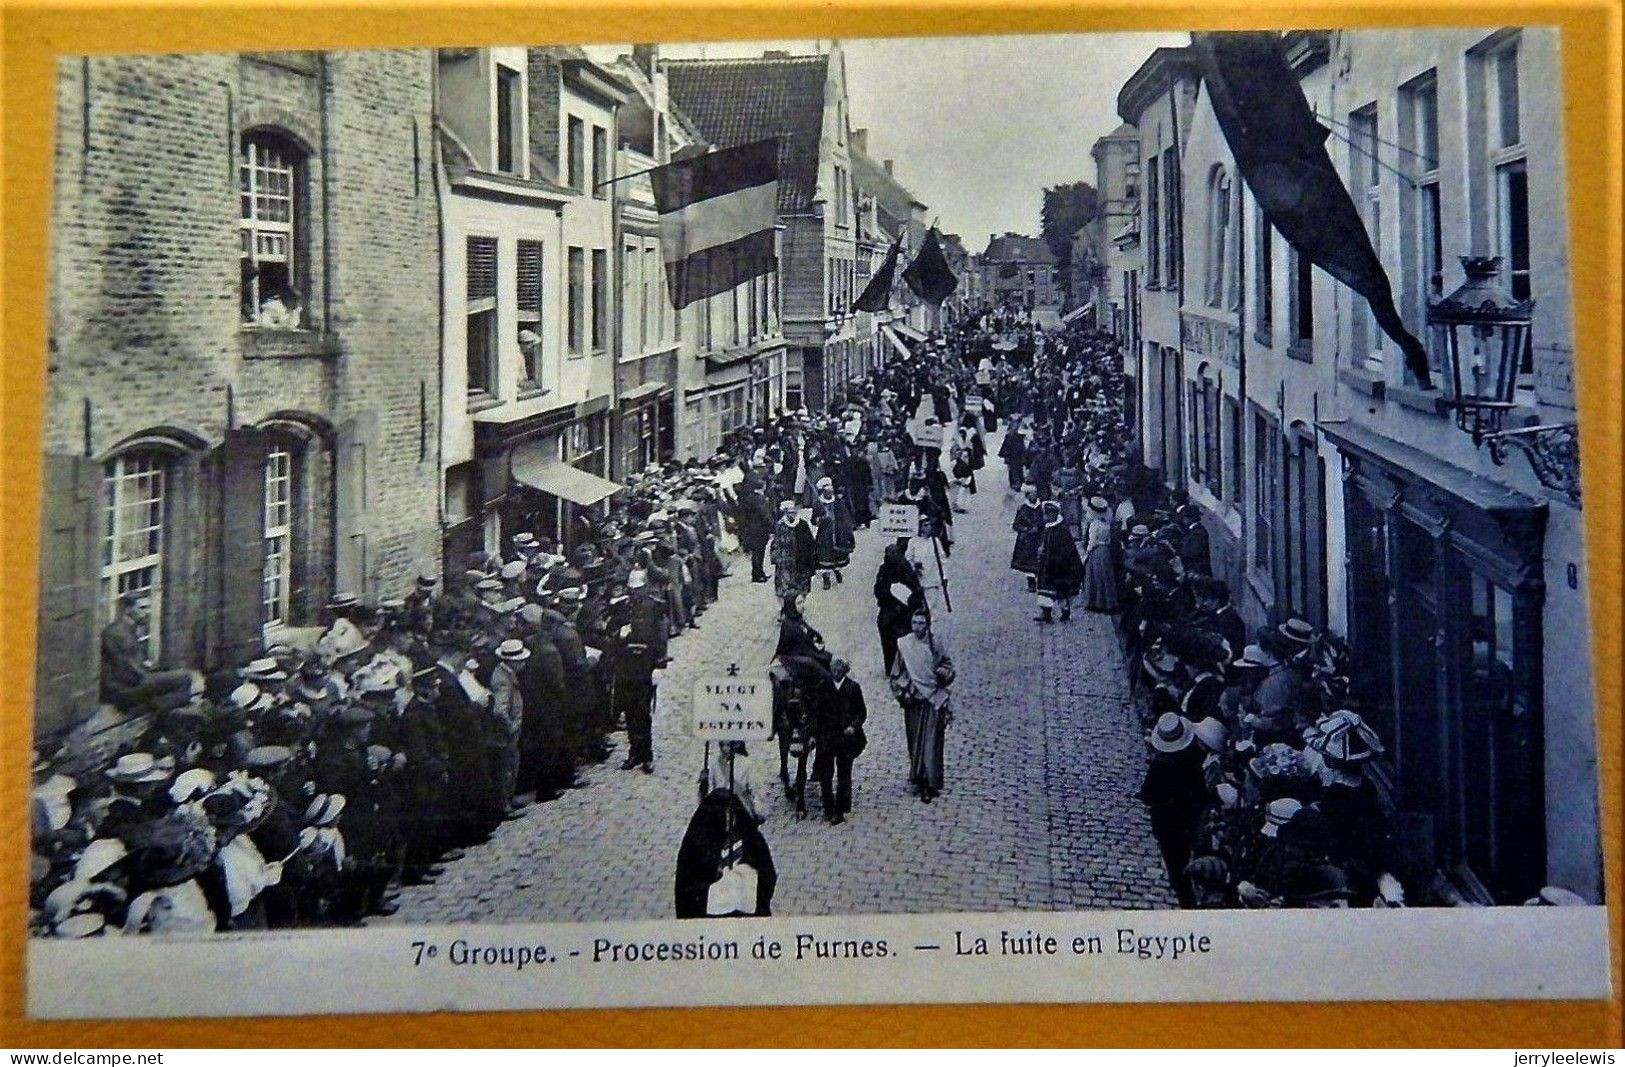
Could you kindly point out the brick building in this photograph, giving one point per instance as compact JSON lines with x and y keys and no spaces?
{"x":241,"y":443}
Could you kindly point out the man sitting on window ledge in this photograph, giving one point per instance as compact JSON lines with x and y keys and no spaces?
{"x":128,"y":681}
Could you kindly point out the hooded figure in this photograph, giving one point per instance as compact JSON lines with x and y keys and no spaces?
{"x":724,"y":867}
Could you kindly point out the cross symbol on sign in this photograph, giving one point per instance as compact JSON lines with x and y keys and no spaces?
{"x":733,"y":670}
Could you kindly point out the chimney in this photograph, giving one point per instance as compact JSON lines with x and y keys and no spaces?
{"x":860,"y":140}
{"x":887,"y":164}
{"x":647,"y":57}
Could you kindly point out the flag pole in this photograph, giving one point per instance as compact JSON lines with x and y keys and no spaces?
{"x":663,"y":166}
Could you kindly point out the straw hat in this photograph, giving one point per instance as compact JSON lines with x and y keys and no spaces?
{"x":97,"y":857}
{"x":1278,"y":814}
{"x":135,"y":767}
{"x":1173,"y":733}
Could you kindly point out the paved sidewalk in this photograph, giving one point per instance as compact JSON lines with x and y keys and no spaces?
{"x":1042,"y":758}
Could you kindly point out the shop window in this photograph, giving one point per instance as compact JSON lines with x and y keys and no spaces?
{"x":1266,"y":486}
{"x":271,"y":175}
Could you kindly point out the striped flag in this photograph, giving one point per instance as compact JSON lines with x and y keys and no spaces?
{"x":717,"y":217}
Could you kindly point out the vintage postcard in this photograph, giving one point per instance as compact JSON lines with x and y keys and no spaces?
{"x":1050,"y":518}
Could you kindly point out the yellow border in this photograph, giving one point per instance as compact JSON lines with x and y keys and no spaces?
{"x":34,"y":33}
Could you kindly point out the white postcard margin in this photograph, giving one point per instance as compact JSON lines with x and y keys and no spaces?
{"x":1044,"y":957}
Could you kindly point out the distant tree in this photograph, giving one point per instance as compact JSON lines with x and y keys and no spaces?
{"x":1066,"y":210}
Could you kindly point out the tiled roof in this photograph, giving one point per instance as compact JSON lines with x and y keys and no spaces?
{"x":1016,"y":248}
{"x":894,"y":201}
{"x":737,"y":101}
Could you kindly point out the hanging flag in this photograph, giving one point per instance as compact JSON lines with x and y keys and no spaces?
{"x":929,"y":276}
{"x":717,"y":217}
{"x":876,"y":296}
{"x":1281,"y":152}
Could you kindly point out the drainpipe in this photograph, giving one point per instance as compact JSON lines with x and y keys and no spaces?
{"x":437,"y":176}
{"x":615,"y":300}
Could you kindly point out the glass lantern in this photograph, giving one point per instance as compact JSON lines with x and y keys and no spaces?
{"x":1483,"y":333}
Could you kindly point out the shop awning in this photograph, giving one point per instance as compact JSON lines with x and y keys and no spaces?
{"x":562,"y":480}
{"x":909,"y":332}
{"x":896,"y":342}
{"x":644,"y":392}
{"x":1077,"y":313}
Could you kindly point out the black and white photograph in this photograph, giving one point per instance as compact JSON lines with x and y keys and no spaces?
{"x":919,"y":495}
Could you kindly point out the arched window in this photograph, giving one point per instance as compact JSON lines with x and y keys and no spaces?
{"x":271,"y":171}
{"x":1219,"y":239}
{"x":279,"y":483}
{"x":133,"y":511}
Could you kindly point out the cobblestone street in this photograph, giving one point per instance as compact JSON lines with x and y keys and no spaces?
{"x":1042,"y":758}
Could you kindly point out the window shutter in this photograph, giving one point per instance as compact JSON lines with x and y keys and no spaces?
{"x":351,"y":459}
{"x":67,"y":667}
{"x":240,"y":549}
{"x":530,"y":277}
{"x":482,"y":269}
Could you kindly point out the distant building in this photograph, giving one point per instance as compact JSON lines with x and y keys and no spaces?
{"x":1021,"y":273}
{"x":1117,"y":181}
{"x":887,"y":212}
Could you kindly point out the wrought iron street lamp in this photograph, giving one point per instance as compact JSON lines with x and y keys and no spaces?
{"x":1484,"y":334}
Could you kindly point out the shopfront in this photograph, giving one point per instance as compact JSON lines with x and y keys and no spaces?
{"x":1445,"y":635}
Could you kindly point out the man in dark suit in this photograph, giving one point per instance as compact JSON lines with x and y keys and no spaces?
{"x":839,"y":739}
{"x":638,"y":635}
{"x":128,"y":681}
{"x":755,"y":526}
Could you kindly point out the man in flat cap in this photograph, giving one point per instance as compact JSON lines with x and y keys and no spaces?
{"x":128,"y":681}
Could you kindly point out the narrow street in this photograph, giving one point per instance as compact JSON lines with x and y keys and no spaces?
{"x":1043,"y":757}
